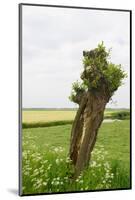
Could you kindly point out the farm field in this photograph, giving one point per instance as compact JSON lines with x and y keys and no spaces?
{"x":32,"y":116}
{"x":45,"y":156}
{"x":47,"y":116}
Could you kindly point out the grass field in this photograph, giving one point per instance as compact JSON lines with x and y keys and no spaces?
{"x":46,"y":166}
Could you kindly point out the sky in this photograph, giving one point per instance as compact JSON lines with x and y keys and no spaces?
{"x":52,"y":52}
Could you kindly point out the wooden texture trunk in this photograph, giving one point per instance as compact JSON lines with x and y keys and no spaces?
{"x":85,"y":128}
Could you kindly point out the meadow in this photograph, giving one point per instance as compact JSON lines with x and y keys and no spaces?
{"x":46,"y":167}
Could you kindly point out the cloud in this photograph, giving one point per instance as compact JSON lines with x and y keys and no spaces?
{"x":53,"y":41}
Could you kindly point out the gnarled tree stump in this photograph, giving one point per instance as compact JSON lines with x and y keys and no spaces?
{"x":100,"y":79}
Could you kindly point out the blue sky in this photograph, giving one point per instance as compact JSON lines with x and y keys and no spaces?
{"x":53,"y":42}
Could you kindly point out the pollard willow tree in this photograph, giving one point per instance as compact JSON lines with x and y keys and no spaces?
{"x":99,"y":80}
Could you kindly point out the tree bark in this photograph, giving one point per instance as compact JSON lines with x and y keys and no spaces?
{"x":85,"y":128}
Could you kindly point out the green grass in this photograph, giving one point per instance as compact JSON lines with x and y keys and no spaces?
{"x":113,"y":147}
{"x":45,"y":124}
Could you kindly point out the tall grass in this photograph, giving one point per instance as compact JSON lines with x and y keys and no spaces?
{"x":47,"y":169}
{"x":51,"y":172}
{"x":121,"y":175}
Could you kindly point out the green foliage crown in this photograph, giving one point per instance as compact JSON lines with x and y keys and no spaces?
{"x":99,"y":73}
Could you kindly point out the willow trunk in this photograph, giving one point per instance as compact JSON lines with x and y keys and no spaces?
{"x":84,"y":130}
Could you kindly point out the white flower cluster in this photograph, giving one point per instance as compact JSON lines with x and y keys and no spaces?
{"x":57,"y":181}
{"x":51,"y":171}
{"x":58,"y":149}
{"x":45,"y":171}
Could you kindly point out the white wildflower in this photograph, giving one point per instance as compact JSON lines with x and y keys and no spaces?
{"x":68,"y":160}
{"x":81,"y":181}
{"x":93,"y":164}
{"x":57,"y":183}
{"x":56,"y":149}
{"x":44,"y":183}
{"x":57,"y":161}
{"x":49,"y":167}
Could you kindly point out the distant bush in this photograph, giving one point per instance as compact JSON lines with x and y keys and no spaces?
{"x":121,"y":115}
